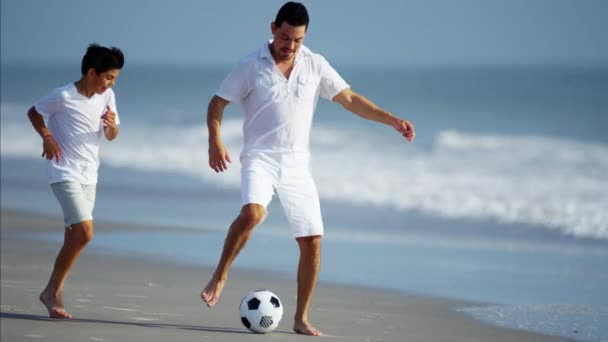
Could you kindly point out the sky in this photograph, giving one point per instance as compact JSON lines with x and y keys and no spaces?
{"x":379,"y":32}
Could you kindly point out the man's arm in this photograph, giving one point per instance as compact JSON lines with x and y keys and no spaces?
{"x":363,"y":107}
{"x":110,"y":129}
{"x":218,"y":155}
{"x":50,"y":148}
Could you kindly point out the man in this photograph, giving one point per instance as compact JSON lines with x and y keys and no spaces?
{"x":78,"y":115}
{"x":278,"y":86}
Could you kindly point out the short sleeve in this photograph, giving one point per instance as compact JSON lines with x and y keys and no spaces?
{"x":50,"y":104}
{"x":235,"y":87}
{"x":331,"y":83}
{"x":112,"y":104}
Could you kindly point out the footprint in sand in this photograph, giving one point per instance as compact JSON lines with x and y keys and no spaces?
{"x":119,"y":309}
{"x":11,"y":308}
{"x":33,"y":336}
{"x":144,"y":319}
{"x":131,"y":296}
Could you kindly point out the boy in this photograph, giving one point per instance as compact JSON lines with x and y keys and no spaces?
{"x":71,"y":121}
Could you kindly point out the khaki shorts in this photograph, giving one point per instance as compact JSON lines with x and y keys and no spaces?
{"x":76,"y":201}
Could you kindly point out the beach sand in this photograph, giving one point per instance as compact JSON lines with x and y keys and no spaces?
{"x":118,"y":297}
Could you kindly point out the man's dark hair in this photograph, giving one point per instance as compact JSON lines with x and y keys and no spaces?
{"x":293,"y":13}
{"x":102,"y":59}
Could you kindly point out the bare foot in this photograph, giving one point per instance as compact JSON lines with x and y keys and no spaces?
{"x":304,"y":328}
{"x":54,"y":305}
{"x":213,"y":290}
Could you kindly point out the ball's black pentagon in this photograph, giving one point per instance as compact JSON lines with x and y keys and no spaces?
{"x":275,"y":302}
{"x":253,"y":304}
{"x":266,"y":321}
{"x":246,"y":322}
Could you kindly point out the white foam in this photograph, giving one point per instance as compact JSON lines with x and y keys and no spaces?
{"x":550,"y":182}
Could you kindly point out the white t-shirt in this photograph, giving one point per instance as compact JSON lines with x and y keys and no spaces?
{"x":279,"y":111}
{"x":76,"y":124}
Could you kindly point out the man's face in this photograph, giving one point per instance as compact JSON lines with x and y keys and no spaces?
{"x":287,"y":40}
{"x":104,"y":80}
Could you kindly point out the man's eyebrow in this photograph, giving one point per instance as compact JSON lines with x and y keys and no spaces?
{"x":288,"y":37}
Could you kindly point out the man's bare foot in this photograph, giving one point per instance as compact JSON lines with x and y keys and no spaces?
{"x":54,"y":305}
{"x":304,"y":328}
{"x":213,"y":290}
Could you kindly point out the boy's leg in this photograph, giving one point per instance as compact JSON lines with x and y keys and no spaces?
{"x":238,"y":234}
{"x":75,"y":240}
{"x":77,"y":202}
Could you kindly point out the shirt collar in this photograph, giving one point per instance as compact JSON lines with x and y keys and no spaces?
{"x":265,"y":53}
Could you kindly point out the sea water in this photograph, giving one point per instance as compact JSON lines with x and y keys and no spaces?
{"x":502,"y":198}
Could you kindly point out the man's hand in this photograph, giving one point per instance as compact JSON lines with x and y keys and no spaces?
{"x":50,"y":148}
{"x":405,"y":128}
{"x":218,"y":156}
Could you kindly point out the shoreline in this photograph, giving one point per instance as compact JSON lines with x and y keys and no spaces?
{"x":137,"y":298}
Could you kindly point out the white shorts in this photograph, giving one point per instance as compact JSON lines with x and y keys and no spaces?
{"x":289,"y":176}
{"x":76,"y":201}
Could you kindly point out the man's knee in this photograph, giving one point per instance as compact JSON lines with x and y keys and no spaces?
{"x":82,"y":233}
{"x":310,"y":243}
{"x":252,"y":214}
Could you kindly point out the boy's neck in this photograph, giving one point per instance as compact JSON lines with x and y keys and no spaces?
{"x":84,"y":88}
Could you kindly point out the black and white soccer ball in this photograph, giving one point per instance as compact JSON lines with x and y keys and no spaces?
{"x":261,"y":311}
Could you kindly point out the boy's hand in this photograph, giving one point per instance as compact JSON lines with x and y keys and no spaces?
{"x":50,"y":148}
{"x":109,"y":118}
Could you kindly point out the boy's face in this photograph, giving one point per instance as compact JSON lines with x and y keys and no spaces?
{"x":103,"y":81}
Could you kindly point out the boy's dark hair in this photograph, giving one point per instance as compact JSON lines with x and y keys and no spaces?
{"x":102,"y":59}
{"x":294,"y":13}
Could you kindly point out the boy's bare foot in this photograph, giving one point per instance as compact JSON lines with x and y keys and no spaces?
{"x":304,"y":328}
{"x":213,"y":290}
{"x":54,"y":305}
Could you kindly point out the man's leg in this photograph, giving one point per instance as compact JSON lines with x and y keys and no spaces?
{"x":75,"y":240}
{"x":238,"y":234}
{"x":308,"y":272}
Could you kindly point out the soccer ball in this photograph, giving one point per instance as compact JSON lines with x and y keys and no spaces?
{"x":261,"y":311}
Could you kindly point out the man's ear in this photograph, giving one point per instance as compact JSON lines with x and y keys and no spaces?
{"x":273,"y":27}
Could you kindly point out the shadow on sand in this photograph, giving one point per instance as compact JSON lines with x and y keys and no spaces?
{"x":23,"y":316}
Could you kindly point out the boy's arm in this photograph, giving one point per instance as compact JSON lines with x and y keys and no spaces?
{"x":110,"y":129}
{"x":50,"y":148}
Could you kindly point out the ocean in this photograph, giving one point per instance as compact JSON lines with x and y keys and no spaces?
{"x":501,"y":199}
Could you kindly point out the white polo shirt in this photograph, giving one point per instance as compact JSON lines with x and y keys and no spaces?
{"x":279,"y":111}
{"x":76,"y":124}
